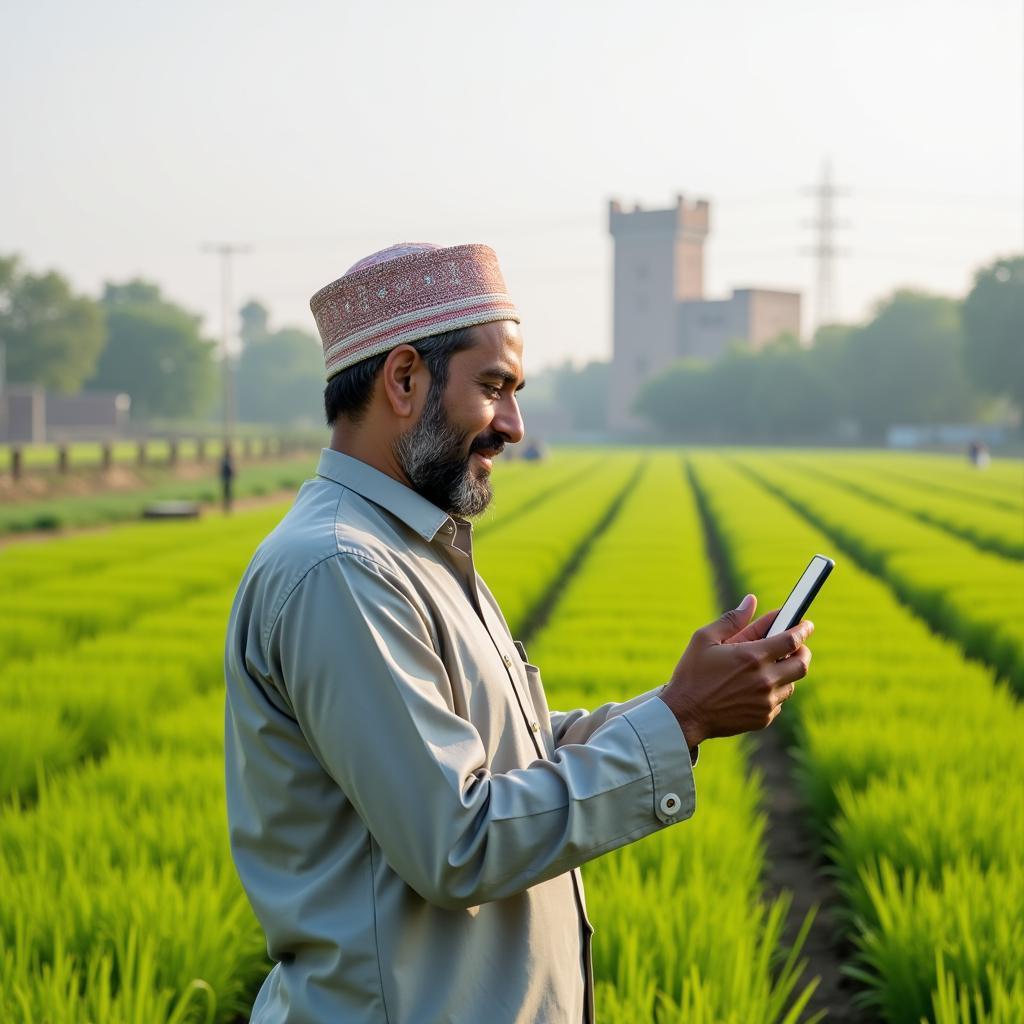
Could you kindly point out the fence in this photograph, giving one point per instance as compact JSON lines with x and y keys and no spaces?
{"x":66,"y":457}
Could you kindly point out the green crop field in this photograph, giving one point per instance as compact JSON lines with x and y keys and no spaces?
{"x":118,"y":899}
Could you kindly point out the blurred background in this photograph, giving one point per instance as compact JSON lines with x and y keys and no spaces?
{"x":731,"y":222}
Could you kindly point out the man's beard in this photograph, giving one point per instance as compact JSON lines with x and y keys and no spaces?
{"x":431,"y":454}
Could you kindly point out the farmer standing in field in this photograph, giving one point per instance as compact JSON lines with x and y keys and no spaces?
{"x":227,"y":476}
{"x":406,"y":814}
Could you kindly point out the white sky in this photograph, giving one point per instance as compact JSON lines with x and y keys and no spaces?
{"x":319,"y":132}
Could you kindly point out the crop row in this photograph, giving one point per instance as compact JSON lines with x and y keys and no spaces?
{"x":990,"y":527}
{"x":910,"y":761}
{"x":972,"y":596}
{"x":120,"y":900}
{"x":1001,"y":484}
{"x":682,"y":931}
{"x":531,"y":549}
{"x":54,"y":608}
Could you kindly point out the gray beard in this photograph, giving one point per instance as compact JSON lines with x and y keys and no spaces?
{"x":430,"y":453}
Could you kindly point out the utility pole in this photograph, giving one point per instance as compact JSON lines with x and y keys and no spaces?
{"x":226,"y":250}
{"x":3,"y":390}
{"x":825,"y":251}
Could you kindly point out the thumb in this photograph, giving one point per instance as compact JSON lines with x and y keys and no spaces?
{"x":732,"y":621}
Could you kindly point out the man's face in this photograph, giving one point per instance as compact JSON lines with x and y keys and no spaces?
{"x":447,"y":454}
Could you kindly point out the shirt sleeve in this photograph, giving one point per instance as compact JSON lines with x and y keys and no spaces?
{"x":579,"y":725}
{"x":374,"y":701}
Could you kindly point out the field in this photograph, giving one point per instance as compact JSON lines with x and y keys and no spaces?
{"x":100,"y":504}
{"x":904,"y":748}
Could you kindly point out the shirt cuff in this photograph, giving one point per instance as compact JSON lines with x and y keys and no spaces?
{"x":668,"y":758}
{"x":694,"y":751}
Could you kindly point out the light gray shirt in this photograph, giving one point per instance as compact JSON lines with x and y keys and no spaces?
{"x":406,"y":815}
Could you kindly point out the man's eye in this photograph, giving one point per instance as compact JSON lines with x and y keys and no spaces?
{"x":492,"y":391}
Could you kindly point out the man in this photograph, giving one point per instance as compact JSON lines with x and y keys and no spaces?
{"x":406,"y":814}
{"x":227,"y":476}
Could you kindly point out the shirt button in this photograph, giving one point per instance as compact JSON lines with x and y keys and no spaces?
{"x":535,"y":727}
{"x":449,"y":528}
{"x":669,"y":804}
{"x":508,"y":661}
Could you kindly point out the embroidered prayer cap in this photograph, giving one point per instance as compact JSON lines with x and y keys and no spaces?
{"x":404,"y":293}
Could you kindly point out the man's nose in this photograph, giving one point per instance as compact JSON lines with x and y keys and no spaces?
{"x":508,"y":421}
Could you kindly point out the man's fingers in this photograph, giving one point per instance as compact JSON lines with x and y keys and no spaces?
{"x":787,"y":643}
{"x":782,"y":693}
{"x":729,"y":623}
{"x":756,"y":630}
{"x":790,"y":670}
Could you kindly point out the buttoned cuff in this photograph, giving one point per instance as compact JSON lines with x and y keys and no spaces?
{"x":668,"y":758}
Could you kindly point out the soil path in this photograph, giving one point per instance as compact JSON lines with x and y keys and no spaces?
{"x":793,"y":861}
{"x":793,"y":864}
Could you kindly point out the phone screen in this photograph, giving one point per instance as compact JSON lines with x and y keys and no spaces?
{"x":802,"y":594}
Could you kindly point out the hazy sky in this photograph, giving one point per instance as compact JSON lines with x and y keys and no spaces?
{"x":318,"y":132}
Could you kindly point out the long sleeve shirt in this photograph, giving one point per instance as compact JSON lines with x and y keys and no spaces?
{"x":406,"y":814}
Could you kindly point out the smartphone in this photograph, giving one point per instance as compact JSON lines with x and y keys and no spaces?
{"x":801,"y":596}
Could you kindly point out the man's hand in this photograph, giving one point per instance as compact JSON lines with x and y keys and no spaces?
{"x":731,"y":679}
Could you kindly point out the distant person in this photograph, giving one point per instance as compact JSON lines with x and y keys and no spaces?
{"x":227,"y":477}
{"x":534,"y":451}
{"x":978,"y":454}
{"x":405,"y":813}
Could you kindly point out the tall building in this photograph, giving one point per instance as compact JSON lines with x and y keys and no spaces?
{"x":660,"y":313}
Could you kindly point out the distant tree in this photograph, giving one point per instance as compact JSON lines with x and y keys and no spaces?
{"x":906,"y":365}
{"x":584,"y":394}
{"x":784,"y":341}
{"x":155,"y":352}
{"x":280,"y":376}
{"x":564,"y":394}
{"x":52,"y":337}
{"x":793,"y":396}
{"x":132,"y":293}
{"x":682,"y":402}
{"x":255,"y":319}
{"x":831,"y":336}
{"x":994,"y":322}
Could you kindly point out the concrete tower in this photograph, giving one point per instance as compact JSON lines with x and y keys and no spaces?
{"x":659,"y":262}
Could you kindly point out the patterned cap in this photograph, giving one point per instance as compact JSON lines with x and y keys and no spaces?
{"x":404,"y":293}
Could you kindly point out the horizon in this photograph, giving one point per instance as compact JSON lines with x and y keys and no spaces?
{"x":125,"y":168}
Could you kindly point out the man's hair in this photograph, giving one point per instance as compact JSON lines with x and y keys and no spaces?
{"x":348,"y":393}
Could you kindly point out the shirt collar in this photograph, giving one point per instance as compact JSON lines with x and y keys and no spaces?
{"x":413,"y":509}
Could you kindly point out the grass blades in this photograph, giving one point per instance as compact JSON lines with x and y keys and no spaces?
{"x":910,"y":760}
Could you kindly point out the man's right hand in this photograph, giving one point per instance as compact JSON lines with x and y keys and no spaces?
{"x":731,"y":679}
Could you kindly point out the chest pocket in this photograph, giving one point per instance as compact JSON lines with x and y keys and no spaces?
{"x":535,"y":692}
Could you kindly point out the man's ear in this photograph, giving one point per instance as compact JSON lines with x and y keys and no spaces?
{"x":405,"y":380}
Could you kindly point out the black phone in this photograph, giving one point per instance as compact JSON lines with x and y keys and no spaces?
{"x":801,"y":596}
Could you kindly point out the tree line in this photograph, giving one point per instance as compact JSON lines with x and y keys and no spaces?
{"x":134,"y":339}
{"x":921,"y":359}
